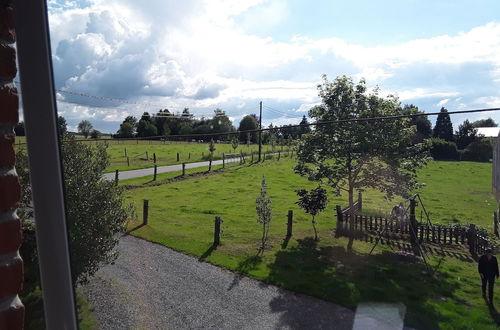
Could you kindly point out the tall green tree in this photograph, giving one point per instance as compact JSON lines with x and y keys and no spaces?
{"x":249,"y":122}
{"x":353,"y":156}
{"x":489,"y":122}
{"x":84,"y":128}
{"x":443,"y":128}
{"x":304,"y":126}
{"x":466,"y":134}
{"x":127,"y":128}
{"x":422,"y":123}
{"x":62,"y":126}
{"x":96,"y":211}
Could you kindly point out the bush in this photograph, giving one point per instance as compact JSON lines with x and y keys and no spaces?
{"x":95,"y":210}
{"x":444,"y":150}
{"x":478,"y":151}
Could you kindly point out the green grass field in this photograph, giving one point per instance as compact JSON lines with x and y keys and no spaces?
{"x":182,"y":215}
{"x":140,"y":153}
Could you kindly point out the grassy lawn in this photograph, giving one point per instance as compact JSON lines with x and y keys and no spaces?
{"x":182,"y":214}
{"x":166,"y":153}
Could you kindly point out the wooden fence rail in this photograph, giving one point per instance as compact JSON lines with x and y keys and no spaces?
{"x":356,"y":225}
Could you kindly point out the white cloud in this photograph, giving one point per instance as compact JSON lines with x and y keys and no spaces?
{"x":197,"y":54}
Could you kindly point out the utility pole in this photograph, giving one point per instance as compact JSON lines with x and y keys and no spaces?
{"x":260,"y":131}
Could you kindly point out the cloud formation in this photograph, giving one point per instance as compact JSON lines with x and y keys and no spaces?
{"x":197,"y":54}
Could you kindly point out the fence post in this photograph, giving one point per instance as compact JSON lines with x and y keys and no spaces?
{"x":145,"y":212}
{"x":147,"y":155}
{"x":128,"y":161}
{"x":413,"y":228}
{"x":339,"y":220}
{"x":125,"y":152}
{"x":223,"y":160}
{"x":178,"y":157}
{"x":155,"y":172}
{"x":209,"y":165}
{"x":289,"y":224}
{"x":360,"y":202}
{"x":116,"y":177}
{"x":189,"y":156}
{"x":154,"y":157}
{"x":252,"y":156}
{"x":471,"y":238}
{"x":217,"y":231}
{"x":279,"y":155}
{"x":495,"y":224}
{"x":183,"y":169}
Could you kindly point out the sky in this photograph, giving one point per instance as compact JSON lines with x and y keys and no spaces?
{"x":208,"y":54}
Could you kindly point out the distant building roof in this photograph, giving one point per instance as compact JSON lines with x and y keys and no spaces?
{"x":488,"y":131}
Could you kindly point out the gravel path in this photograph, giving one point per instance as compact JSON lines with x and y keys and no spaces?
{"x":154,"y":287}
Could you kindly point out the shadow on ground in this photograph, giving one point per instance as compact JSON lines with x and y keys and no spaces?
{"x":348,"y":278}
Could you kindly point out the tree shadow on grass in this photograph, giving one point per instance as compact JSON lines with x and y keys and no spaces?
{"x":244,"y":267}
{"x":348,"y":278}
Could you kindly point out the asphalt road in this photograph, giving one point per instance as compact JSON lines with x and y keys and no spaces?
{"x":123,"y":175}
{"x":154,"y":287}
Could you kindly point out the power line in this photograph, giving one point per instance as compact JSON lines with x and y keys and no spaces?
{"x":319,"y":123}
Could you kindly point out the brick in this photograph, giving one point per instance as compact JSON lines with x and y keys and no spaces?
{"x":10,"y":236}
{"x":11,"y":273}
{"x":10,"y":192}
{"x":7,"y":153}
{"x":7,"y":31}
{"x":12,"y":317}
{"x":8,"y":69}
{"x":9,"y":99}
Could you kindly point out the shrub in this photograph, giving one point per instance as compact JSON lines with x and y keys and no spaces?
{"x":478,"y":151}
{"x":444,"y":150}
{"x":95,"y":210}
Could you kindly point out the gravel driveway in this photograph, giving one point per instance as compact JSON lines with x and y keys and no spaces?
{"x":154,"y":287}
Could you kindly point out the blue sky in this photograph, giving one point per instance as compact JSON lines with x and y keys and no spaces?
{"x":207,"y":54}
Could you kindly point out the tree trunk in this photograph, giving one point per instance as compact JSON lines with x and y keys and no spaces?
{"x":314,"y":227}
{"x":263,"y":237}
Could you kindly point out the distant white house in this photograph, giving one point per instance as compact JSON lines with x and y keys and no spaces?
{"x":488,"y":131}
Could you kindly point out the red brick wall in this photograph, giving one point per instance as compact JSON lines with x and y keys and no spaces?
{"x":11,"y":264}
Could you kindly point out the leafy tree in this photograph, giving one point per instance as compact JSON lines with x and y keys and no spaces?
{"x":272,"y":140}
{"x":19,"y":129}
{"x":95,"y":134}
{"x":249,"y":122}
{"x":62,"y":126}
{"x":220,"y":123}
{"x":84,"y":127}
{"x":422,"y":123}
{"x":95,"y":208}
{"x":443,"y":128}
{"x":313,"y":202}
{"x":466,"y":134}
{"x":127,"y":130}
{"x":264,"y":212}
{"x":356,"y":155}
{"x":211,"y":148}
{"x":234,"y":143}
{"x":304,"y":126}
{"x":146,"y":128}
{"x":489,"y":122}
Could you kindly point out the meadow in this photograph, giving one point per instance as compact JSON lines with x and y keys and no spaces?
{"x":446,"y":296}
{"x":140,"y":152}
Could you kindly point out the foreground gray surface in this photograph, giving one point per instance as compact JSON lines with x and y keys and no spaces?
{"x":153,"y":287}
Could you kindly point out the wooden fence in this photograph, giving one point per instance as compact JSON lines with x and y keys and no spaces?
{"x":357,"y":206}
{"x":358,"y":225}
